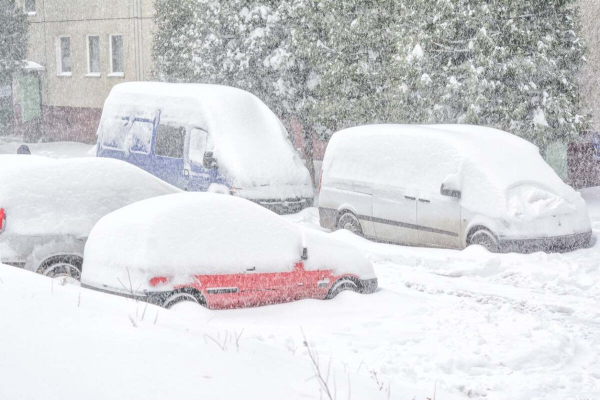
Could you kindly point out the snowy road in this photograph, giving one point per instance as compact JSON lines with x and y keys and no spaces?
{"x":471,"y":323}
{"x":462,"y":324}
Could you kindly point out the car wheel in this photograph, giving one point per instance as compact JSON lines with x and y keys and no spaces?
{"x":178,"y":297}
{"x":340,"y":286}
{"x":349,"y":222}
{"x":66,"y":268}
{"x":486,"y":239}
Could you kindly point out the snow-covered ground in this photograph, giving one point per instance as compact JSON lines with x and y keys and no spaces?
{"x":9,"y":145}
{"x":457,"y":324}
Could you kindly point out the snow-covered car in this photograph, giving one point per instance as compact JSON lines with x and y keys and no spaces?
{"x":448,"y":186}
{"x":48,"y":207}
{"x":219,"y":251}
{"x":201,"y":137}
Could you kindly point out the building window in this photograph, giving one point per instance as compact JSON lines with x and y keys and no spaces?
{"x":29,"y":7}
{"x":64,"y":55}
{"x":93,"y":55}
{"x":117,"y":60}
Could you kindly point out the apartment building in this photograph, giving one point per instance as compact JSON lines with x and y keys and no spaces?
{"x":78,"y":50}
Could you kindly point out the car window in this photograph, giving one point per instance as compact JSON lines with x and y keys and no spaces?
{"x":169,"y":141}
{"x":198,"y":145}
{"x":141,"y":136}
{"x":114,"y":132}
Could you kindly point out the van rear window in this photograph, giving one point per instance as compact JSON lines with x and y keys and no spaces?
{"x":114,"y":132}
{"x":169,"y":141}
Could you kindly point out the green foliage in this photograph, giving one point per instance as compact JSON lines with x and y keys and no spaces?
{"x":510,"y":64}
{"x":13,"y":39}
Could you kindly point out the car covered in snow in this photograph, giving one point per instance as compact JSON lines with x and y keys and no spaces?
{"x":202,"y":137}
{"x":218,"y":251}
{"x":448,"y":186}
{"x":48,"y":207}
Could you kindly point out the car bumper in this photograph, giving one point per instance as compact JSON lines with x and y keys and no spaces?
{"x":368,"y":285}
{"x":556,"y":244}
{"x":141,"y":296}
{"x":287,"y":206}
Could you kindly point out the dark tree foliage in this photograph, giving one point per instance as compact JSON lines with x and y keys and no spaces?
{"x":510,"y":64}
{"x":13,"y":39}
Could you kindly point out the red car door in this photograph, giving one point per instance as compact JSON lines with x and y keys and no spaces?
{"x":220,"y":291}
{"x":311,"y":284}
{"x":261,"y":288}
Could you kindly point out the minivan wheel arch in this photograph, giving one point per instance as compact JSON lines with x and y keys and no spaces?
{"x":350,"y":215}
{"x":495,"y":247}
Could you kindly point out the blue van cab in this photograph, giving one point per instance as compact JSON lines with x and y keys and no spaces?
{"x":205,"y":138}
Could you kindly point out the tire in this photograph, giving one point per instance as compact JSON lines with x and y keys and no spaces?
{"x":65,"y":266}
{"x":349,"y":222}
{"x":485,"y":238}
{"x":340,"y":286}
{"x":181,"y":296}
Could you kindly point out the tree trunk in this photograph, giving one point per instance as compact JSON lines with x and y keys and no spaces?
{"x":308,"y":153}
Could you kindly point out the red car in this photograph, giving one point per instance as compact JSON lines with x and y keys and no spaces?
{"x":219,"y":251}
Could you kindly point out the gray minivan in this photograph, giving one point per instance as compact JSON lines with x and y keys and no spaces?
{"x":448,"y":186}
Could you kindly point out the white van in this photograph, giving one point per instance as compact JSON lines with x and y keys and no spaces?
{"x":205,"y":138}
{"x":448,"y":186}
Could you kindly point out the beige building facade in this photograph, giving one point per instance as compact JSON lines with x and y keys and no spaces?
{"x":78,"y":50}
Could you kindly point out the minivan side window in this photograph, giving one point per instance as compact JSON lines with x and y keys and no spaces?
{"x":169,"y":141}
{"x":198,"y":145}
{"x":141,"y":136}
{"x":114,"y":132}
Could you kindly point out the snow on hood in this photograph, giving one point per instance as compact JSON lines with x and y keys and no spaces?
{"x":44,"y":196}
{"x":250,"y":142}
{"x":189,"y":234}
{"x":485,"y":162}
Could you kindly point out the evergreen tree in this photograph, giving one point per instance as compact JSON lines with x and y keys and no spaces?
{"x":13,"y":39}
{"x":510,"y":64}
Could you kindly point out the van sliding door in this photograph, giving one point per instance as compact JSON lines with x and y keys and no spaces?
{"x":395,"y":215}
{"x":439,"y":220}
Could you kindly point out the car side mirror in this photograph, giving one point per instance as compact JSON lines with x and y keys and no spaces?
{"x":209,"y":161}
{"x":445,"y":190}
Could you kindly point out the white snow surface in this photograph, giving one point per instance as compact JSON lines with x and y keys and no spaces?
{"x":68,"y":343}
{"x":68,"y":196}
{"x":486,"y":162}
{"x":250,"y":142}
{"x":9,"y":145}
{"x":189,"y":234}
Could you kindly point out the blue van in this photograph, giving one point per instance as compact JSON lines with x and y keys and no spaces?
{"x":201,"y":137}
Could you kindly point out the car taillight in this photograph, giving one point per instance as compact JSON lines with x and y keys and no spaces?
{"x":158,"y":280}
{"x":2,"y":219}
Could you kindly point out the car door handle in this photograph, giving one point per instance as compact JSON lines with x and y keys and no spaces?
{"x":251,"y":269}
{"x":424,"y":201}
{"x":410,"y":198}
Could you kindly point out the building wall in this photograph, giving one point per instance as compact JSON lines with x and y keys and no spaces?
{"x":590,"y":73}
{"x":72,"y":104}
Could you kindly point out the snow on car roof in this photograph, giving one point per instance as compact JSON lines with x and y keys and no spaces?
{"x":186,"y":234}
{"x":486,"y":161}
{"x":249,"y":138}
{"x":44,"y":196}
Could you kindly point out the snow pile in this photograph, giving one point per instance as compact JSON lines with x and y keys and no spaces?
{"x":44,"y":196}
{"x":250,"y":143}
{"x":527,"y":202}
{"x":51,"y":149}
{"x":486,"y":163}
{"x":203,"y":233}
{"x":64,"y":342}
